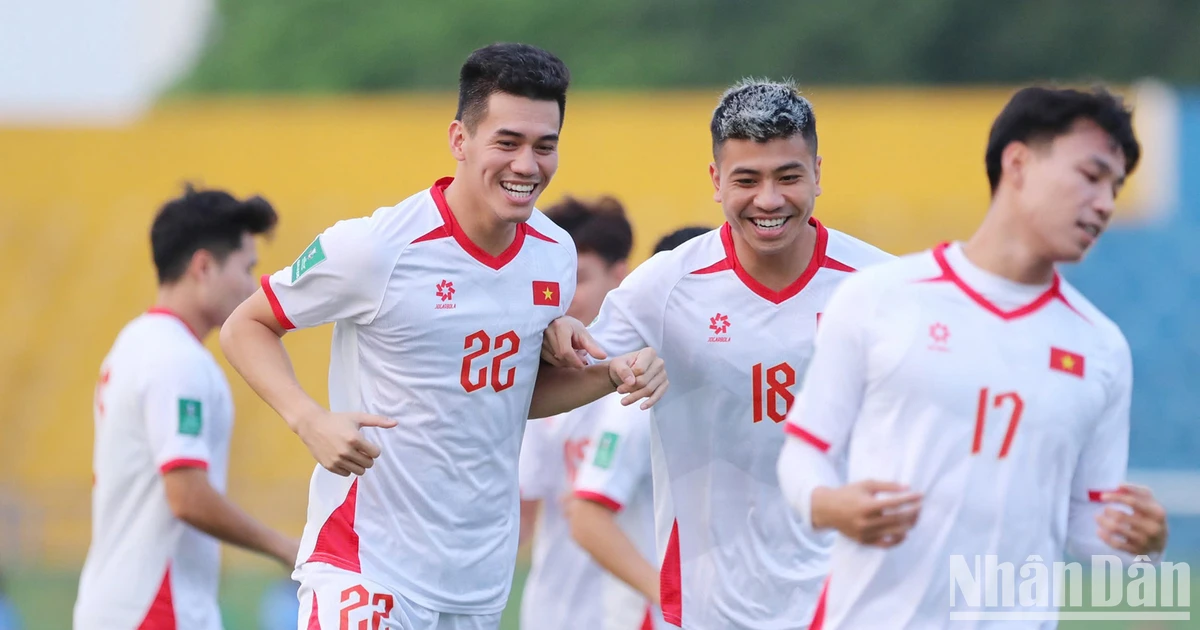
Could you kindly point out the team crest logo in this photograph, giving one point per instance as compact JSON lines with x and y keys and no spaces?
{"x":939,"y":334}
{"x":445,"y":293}
{"x":719,"y":324}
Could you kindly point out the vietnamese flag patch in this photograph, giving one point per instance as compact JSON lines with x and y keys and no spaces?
{"x":545,"y":293}
{"x":1066,"y":361}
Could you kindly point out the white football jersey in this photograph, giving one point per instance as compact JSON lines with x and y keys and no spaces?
{"x":161,"y":403}
{"x":1004,"y":404}
{"x":562,"y":588}
{"x":446,"y":339}
{"x":616,"y":473}
{"x":565,"y":587}
{"x":732,"y":554}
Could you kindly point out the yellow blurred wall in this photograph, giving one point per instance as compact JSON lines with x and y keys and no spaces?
{"x":902,"y":169}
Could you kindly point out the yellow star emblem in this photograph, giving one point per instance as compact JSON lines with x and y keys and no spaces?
{"x":1068,"y":363}
{"x":548,"y":294}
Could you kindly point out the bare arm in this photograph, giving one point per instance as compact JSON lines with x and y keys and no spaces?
{"x":194,"y":501}
{"x":252,"y":341}
{"x":565,"y":382}
{"x":529,"y":515}
{"x":561,"y":389}
{"x":595,"y":528}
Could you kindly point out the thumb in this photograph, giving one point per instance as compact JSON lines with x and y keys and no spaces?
{"x":366,"y":420}
{"x":589,"y":344}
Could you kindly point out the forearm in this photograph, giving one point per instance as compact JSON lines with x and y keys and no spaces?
{"x":803,"y":471}
{"x":595,"y":528}
{"x":257,"y":353}
{"x":529,"y":516}
{"x":559,"y":390}
{"x":207,"y":510}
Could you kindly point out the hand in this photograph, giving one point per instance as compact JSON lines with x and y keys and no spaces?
{"x":857,"y":513}
{"x":337,"y":444}
{"x":1141,"y":533}
{"x":567,"y":341}
{"x":640,"y":374}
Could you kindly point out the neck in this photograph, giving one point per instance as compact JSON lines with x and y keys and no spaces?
{"x":478,"y":221}
{"x":179,"y":301}
{"x":778,"y":270}
{"x":1002,"y":247}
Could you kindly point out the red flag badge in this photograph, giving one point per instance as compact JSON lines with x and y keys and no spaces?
{"x":1066,"y":361}
{"x":545,"y":293}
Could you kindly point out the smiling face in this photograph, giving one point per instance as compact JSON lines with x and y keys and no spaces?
{"x":510,"y":156}
{"x":1066,"y":188}
{"x":767,"y":190}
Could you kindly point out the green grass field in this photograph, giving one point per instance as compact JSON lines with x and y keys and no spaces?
{"x":45,"y":600}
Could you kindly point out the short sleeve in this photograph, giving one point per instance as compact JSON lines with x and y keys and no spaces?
{"x":535,"y":469}
{"x":832,"y":394}
{"x":341,"y":276}
{"x":631,"y":317}
{"x":618,"y":463}
{"x":178,"y":404}
{"x":1104,"y":458}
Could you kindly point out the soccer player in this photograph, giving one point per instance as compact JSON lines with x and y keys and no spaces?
{"x":612,"y":512}
{"x":164,"y":416}
{"x":440,"y":303}
{"x":734,"y":312}
{"x":564,"y":586}
{"x":972,"y":385}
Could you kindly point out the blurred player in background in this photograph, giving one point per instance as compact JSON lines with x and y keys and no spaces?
{"x":612,"y":511}
{"x":973,"y":385}
{"x":734,"y":312}
{"x":164,"y":416}
{"x":440,"y":304}
{"x":563,"y":587}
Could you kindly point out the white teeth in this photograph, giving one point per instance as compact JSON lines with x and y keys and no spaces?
{"x":768,"y":224}
{"x":1093,"y":230}
{"x":519,"y":190}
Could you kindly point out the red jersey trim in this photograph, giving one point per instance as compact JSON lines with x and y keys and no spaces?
{"x":162,"y":310}
{"x":836,"y":265}
{"x":337,"y":542}
{"x":183,"y":463}
{"x":314,"y":617}
{"x":817,"y":261}
{"x":438,"y":192}
{"x":596,"y":497}
{"x":670,"y":580}
{"x":818,"y":620}
{"x":276,"y":307}
{"x":816,"y":442}
{"x":948,"y":275}
{"x":434,"y":234}
{"x":648,"y":620}
{"x":1095,"y":496}
{"x":161,"y":615}
{"x":538,"y":235}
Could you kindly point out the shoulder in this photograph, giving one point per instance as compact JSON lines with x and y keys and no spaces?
{"x":702,"y":255}
{"x":1108,"y":334}
{"x":891,"y":274}
{"x":540,"y":229}
{"x":851,"y":254}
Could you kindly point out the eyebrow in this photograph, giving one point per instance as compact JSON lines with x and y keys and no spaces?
{"x":1106,"y":169}
{"x":552,"y":137}
{"x":746,"y":170}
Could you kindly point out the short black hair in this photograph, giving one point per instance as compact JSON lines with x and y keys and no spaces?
{"x":516,"y":69}
{"x":1041,"y":114}
{"x":761,"y":110}
{"x":679,"y":237}
{"x":212,"y":220}
{"x":598,"y":227}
